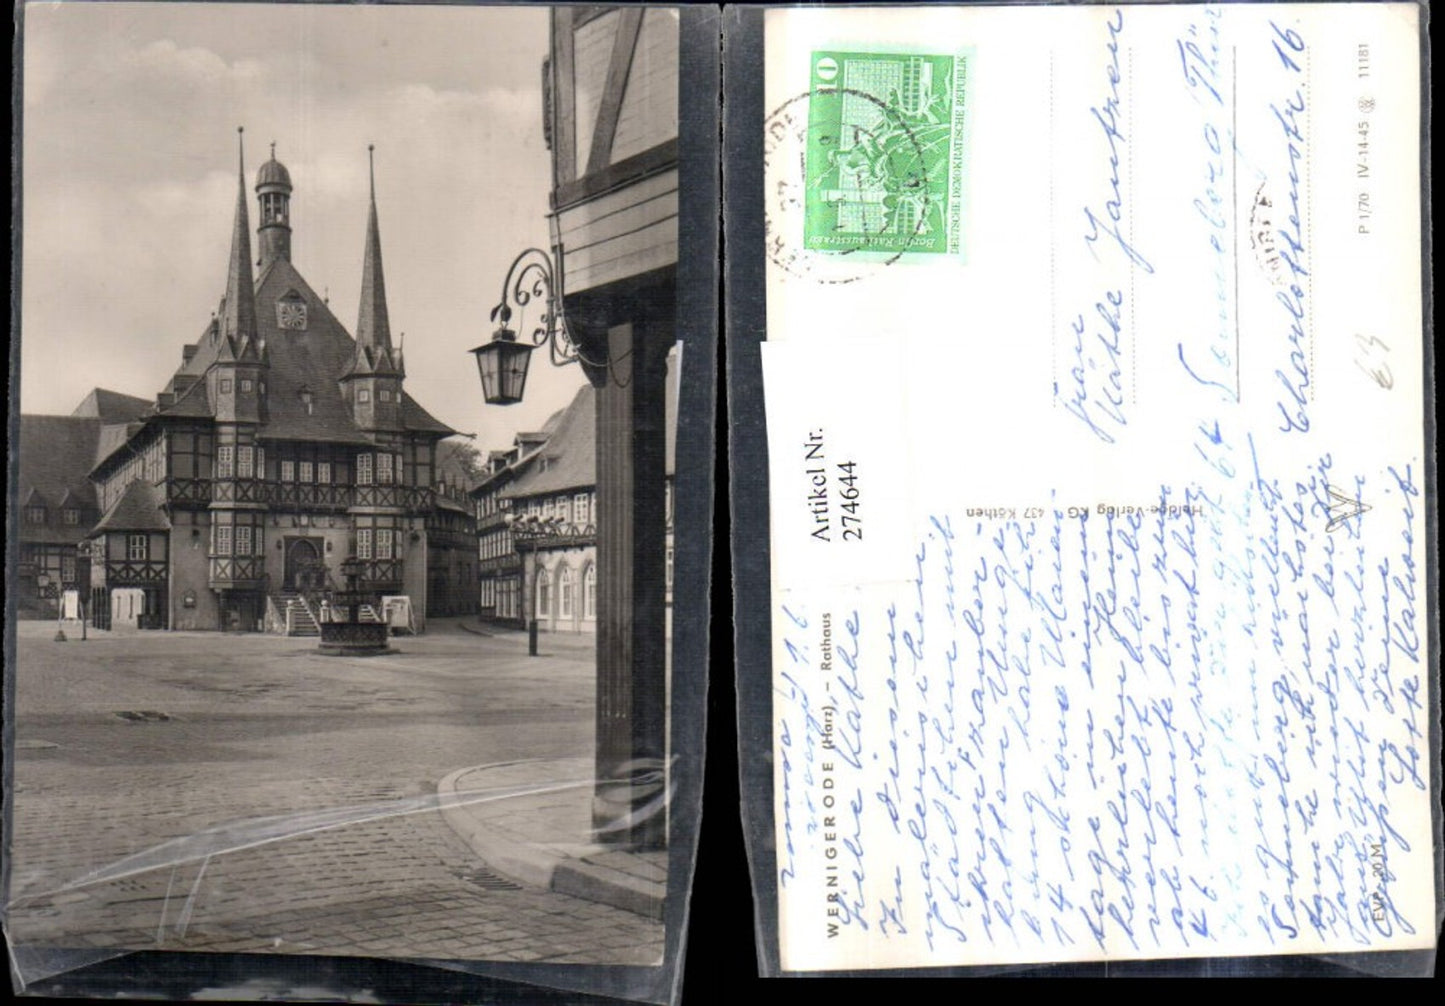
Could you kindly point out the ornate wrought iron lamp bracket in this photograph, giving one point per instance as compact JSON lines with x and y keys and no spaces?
{"x":532,"y":285}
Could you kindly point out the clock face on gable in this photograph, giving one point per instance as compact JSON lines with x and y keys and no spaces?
{"x":291,"y":314}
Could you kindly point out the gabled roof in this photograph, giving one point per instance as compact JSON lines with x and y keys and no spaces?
{"x":55,"y":454}
{"x":191,"y":403}
{"x":568,"y":460}
{"x":111,"y":406}
{"x":138,"y":509}
{"x":313,"y":358}
{"x":414,"y":417}
{"x":246,"y":329}
{"x":113,"y":437}
{"x":494,"y":477}
{"x":568,"y":457}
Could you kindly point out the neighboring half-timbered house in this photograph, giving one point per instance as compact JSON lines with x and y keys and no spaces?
{"x":536,"y":519}
{"x":57,"y":504}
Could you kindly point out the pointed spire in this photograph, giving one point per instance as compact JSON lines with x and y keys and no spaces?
{"x":238,"y":319}
{"x":373,"y":327}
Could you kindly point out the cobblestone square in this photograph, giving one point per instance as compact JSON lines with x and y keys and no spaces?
{"x":227,"y":746}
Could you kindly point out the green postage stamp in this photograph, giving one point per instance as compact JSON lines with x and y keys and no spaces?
{"x":886,"y":153}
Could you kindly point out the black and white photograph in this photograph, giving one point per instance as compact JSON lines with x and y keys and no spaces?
{"x":346,"y":561}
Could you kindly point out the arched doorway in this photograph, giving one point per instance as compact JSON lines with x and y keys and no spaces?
{"x":305,"y":571}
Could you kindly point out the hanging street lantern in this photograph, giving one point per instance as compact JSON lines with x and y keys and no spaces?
{"x":502,"y":365}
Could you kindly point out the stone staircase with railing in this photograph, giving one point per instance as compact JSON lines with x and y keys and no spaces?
{"x":292,"y":614}
{"x":300,"y":619}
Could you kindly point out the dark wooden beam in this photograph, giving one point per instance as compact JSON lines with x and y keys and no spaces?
{"x":564,"y":97}
{"x":624,"y":44}
{"x":648,"y":162}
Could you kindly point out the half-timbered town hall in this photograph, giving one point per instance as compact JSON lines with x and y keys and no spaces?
{"x":281,"y":446}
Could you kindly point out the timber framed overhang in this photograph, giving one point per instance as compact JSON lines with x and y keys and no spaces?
{"x":136,"y":572}
{"x":380,"y":574}
{"x":490,"y":522}
{"x":413,"y":499}
{"x":555,"y":537}
{"x":237,"y":572}
{"x":200,"y":493}
{"x":500,"y":565}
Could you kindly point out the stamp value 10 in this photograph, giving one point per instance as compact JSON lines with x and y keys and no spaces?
{"x":885,"y":153}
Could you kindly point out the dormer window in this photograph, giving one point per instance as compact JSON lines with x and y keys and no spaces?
{"x":35,"y":514}
{"x":71,"y":516}
{"x":306,"y":398}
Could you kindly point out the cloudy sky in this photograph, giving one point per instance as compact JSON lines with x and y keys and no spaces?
{"x":129,"y":153}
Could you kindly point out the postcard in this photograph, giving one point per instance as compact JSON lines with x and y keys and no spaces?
{"x":336,"y":639}
{"x":1097,"y":475}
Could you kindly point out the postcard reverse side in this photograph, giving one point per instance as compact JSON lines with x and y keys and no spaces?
{"x":1094,"y":389}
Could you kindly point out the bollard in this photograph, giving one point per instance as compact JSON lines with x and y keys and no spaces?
{"x":532,"y":638}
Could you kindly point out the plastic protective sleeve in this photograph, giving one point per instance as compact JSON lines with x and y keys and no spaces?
{"x":105,"y":974}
